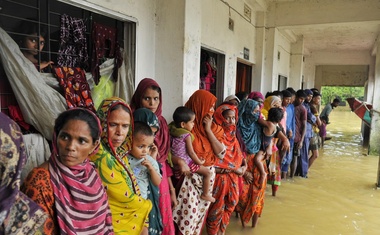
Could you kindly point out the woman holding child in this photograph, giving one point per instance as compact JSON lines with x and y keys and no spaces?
{"x":129,"y":210}
{"x":148,"y":95}
{"x":190,"y":212}
{"x":228,"y":169}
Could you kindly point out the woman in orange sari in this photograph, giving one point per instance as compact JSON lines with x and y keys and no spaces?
{"x":189,"y":214}
{"x":251,"y":200}
{"x":228,"y":169}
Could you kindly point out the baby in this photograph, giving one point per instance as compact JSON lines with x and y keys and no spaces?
{"x":181,"y":146}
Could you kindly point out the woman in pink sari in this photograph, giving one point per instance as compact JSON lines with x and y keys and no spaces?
{"x":148,"y":95}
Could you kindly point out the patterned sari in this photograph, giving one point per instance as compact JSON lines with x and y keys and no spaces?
{"x":226,"y":189}
{"x":129,"y":210}
{"x":18,"y":214}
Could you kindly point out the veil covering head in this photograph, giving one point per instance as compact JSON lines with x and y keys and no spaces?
{"x":201,"y":101}
{"x":162,"y":138}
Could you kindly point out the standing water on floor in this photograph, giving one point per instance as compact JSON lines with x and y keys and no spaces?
{"x":339,"y":196}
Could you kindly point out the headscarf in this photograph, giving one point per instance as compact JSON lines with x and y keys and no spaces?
{"x":162,"y":138}
{"x":146,"y":116}
{"x":254,"y":95}
{"x":233,"y":157}
{"x":200,"y":102}
{"x":249,"y":129}
{"x":80,"y":199}
{"x":22,"y":214}
{"x":268,"y":104}
{"x":103,"y":113}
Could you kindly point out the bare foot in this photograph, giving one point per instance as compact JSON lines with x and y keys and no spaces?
{"x":207,"y":197}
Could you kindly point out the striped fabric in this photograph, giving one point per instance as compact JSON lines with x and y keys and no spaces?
{"x":80,"y":199}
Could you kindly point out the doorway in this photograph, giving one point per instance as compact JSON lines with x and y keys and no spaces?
{"x":243,"y":77}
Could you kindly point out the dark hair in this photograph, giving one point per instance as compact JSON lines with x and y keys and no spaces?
{"x":275,"y":114}
{"x":316,"y":93}
{"x":286,"y":93}
{"x":336,"y":100}
{"x":120,"y":106}
{"x":278,"y":93}
{"x":268,"y":94}
{"x":182,"y":114}
{"x":241,"y":95}
{"x":82,"y":115}
{"x":28,"y":27}
{"x":291,"y":90}
{"x":301,"y":93}
{"x":155,"y":88}
{"x":142,"y":128}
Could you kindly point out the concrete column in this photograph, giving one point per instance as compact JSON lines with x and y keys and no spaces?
{"x":258,"y":69}
{"x":178,"y":36}
{"x":296,"y":64}
{"x":374,"y":144}
{"x":270,"y":61}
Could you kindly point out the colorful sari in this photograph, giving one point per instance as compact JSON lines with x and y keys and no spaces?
{"x":162,"y":141}
{"x":190,"y":212}
{"x":18,"y":213}
{"x":226,"y":189}
{"x":251,"y":199}
{"x":129,"y":210}
{"x":73,"y":196}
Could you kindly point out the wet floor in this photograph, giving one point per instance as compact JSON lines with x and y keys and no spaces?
{"x":338,"y":198}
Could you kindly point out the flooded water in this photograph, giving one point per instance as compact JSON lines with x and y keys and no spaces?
{"x":338,"y":198}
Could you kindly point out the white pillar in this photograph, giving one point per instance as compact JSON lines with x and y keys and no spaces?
{"x":374,"y":143}
{"x":260,"y":52}
{"x":296,"y":64}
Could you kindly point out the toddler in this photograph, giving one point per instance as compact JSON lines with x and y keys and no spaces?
{"x":270,"y":130}
{"x":181,"y":146}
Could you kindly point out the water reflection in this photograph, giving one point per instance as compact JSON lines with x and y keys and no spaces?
{"x":339,"y":197}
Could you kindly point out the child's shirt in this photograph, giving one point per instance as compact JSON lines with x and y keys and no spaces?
{"x":142,"y":174}
{"x":178,"y":147}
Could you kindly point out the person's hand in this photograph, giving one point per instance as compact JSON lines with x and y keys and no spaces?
{"x":290,"y":135}
{"x":153,"y":151}
{"x":207,"y":121}
{"x":202,"y":161}
{"x":248,"y":177}
{"x":184,"y":168}
{"x":147,"y":164}
{"x":173,"y":198}
{"x":45,"y":64}
{"x":285,"y":146}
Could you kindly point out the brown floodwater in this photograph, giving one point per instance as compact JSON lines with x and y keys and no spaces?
{"x":339,"y":197}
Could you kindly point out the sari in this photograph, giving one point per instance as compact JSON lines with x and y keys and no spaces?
{"x":251,"y":199}
{"x":18,"y":213}
{"x":226,"y":188}
{"x":190,"y":212}
{"x":74,"y":197}
{"x":129,"y":210}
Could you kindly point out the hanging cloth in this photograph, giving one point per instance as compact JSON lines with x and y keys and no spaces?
{"x":75,"y":87}
{"x":73,"y":46}
{"x":105,"y":44}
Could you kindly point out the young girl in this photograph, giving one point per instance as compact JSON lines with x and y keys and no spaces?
{"x":270,"y":129}
{"x":181,"y":146}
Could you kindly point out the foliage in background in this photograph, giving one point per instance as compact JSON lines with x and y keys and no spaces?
{"x":331,"y":92}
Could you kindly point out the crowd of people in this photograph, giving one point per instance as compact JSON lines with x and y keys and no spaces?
{"x":123,"y":169}
{"x":126,"y":170}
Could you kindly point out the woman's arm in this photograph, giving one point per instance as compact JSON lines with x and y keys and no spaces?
{"x":217,"y":147}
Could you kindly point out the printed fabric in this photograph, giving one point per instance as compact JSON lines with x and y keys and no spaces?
{"x":73,"y":46}
{"x":129,"y":210}
{"x":75,"y":87}
{"x":18,"y":213}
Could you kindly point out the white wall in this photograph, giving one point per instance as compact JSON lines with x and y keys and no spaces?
{"x":283,"y":64}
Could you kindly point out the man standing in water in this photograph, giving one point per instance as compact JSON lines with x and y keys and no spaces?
{"x":324,"y":116}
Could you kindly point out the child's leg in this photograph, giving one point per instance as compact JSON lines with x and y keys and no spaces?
{"x":258,"y":161}
{"x":268,"y":150}
{"x":206,"y":173}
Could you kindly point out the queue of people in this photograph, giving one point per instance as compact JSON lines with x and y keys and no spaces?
{"x":125,"y":170}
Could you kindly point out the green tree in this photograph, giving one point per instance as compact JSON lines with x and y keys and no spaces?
{"x":331,"y":92}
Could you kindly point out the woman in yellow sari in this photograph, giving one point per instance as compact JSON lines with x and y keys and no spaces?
{"x":129,"y":210}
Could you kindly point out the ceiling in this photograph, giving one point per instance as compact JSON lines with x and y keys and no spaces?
{"x":359,"y":35}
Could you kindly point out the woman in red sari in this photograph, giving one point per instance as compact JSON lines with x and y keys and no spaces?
{"x":228,"y":169}
{"x":190,"y":212}
{"x":148,"y":95}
